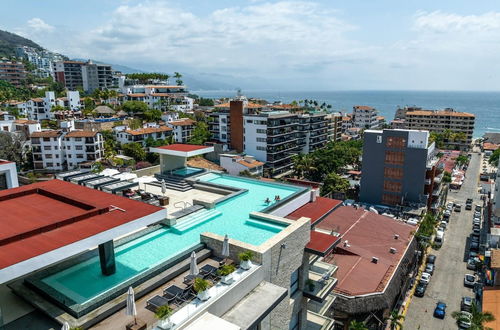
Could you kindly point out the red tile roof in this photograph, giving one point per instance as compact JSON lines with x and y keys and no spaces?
{"x":183,"y":147}
{"x":490,"y":146}
{"x":182,"y":122}
{"x":81,"y":134}
{"x":148,"y":130}
{"x":48,"y":133}
{"x":315,"y":210}
{"x":45,"y":216}
{"x":2,"y":161}
{"x":363,"y":107}
{"x":367,"y":235}
{"x":321,"y":243}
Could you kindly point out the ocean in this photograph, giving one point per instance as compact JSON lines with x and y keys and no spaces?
{"x":485,"y":105}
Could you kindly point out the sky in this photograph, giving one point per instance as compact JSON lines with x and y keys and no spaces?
{"x":281,"y":45}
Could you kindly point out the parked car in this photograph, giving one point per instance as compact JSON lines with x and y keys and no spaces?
{"x":471,"y":264}
{"x":473,"y":254}
{"x":476,"y":221}
{"x":468,"y":207}
{"x":420,"y":290}
{"x":465,"y":320}
{"x":431,"y":259}
{"x":478,"y":208}
{"x":476,"y":232}
{"x":425,"y":278}
{"x":429,"y":268}
{"x":458,"y":208}
{"x":449,"y":206}
{"x":440,"y":310}
{"x":477,"y":215}
{"x":443,"y":224}
{"x":474,"y":239}
{"x":469,"y":201}
{"x":466,"y":304}
{"x":474,"y":246}
{"x":469,"y":280}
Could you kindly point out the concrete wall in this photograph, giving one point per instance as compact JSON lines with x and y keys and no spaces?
{"x":168,"y":162}
{"x":294,"y":204}
{"x":148,"y":171}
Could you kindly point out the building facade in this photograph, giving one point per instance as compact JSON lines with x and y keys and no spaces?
{"x":365,"y":117}
{"x":12,"y":72}
{"x":235,"y":164}
{"x":182,"y":129}
{"x":394,"y":167}
{"x":142,"y":134}
{"x":83,"y":146}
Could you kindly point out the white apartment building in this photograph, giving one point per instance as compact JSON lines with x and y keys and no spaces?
{"x":42,"y":59}
{"x":55,"y":150}
{"x":182,"y":129}
{"x":39,"y":108}
{"x":8,"y":175}
{"x":160,"y":97}
{"x":170,"y":116}
{"x":83,"y":146}
{"x":48,"y":151}
{"x":71,"y":101}
{"x":24,"y":127}
{"x":235,"y":164}
{"x":125,"y":135}
{"x":365,"y":117}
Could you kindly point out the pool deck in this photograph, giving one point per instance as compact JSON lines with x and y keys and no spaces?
{"x":119,"y":320}
{"x":181,"y":196}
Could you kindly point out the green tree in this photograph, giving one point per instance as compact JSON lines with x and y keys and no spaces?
{"x":462,"y":160}
{"x":178,"y":78}
{"x":334,"y":183}
{"x":152,"y":115}
{"x":446,"y":177}
{"x":144,"y":78}
{"x":134,"y":123}
{"x":355,"y":325}
{"x":205,"y":102}
{"x":396,"y":320}
{"x":134,"y":150}
{"x":494,"y":157}
{"x":57,"y":108}
{"x":135,"y":107}
{"x":200,"y":134}
{"x":304,"y":166}
{"x":12,"y":148}
{"x":478,"y":318}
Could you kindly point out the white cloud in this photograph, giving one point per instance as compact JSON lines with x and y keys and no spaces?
{"x":38,"y":25}
{"x":441,"y":22}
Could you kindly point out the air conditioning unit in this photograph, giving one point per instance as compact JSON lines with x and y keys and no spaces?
{"x":396,"y":236}
{"x":374,"y":260}
{"x":393,"y":250}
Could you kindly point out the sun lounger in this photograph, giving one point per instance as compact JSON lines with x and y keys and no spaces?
{"x":157,"y":301}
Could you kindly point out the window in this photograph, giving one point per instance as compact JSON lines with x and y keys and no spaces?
{"x":391,"y":199}
{"x":79,"y":147}
{"x":393,"y":172}
{"x":47,"y":148}
{"x":50,"y":164}
{"x":392,"y":186}
{"x":259,"y":139}
{"x":69,"y":156}
{"x":395,"y":142}
{"x":295,"y":321}
{"x":249,"y":121}
{"x":68,"y":147}
{"x":78,"y":139}
{"x":294,"y":281}
{"x":46,"y":139}
{"x":261,"y":148}
{"x":224,"y":136}
{"x":80,"y":156}
{"x":394,"y":157}
{"x":49,"y":156}
{"x":261,"y":131}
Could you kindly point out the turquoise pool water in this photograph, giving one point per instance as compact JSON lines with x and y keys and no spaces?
{"x":84,"y":281}
{"x":187,"y":171}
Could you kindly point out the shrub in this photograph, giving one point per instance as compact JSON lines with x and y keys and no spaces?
{"x":226,"y":270}
{"x":245,"y":256}
{"x":200,"y":284}
{"x":163,"y":312}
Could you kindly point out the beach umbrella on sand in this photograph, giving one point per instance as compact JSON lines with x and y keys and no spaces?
{"x":131,"y":310}
{"x":163,"y":186}
{"x":225,"y":247}
{"x":193,"y":267}
{"x":65,"y":326}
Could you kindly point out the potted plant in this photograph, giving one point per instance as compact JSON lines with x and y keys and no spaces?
{"x":201,"y":287}
{"x":163,"y":315}
{"x":246,"y":259}
{"x":310,"y":285}
{"x":226,"y":273}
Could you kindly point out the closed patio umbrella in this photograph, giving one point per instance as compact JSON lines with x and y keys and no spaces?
{"x":193,"y":267}
{"x":65,"y":326}
{"x":225,"y":247}
{"x":163,"y":187}
{"x":131,"y":309}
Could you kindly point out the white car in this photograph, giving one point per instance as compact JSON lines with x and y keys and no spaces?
{"x":465,"y":320}
{"x":425,"y":278}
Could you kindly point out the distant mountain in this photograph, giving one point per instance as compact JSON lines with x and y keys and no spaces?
{"x":9,"y":42}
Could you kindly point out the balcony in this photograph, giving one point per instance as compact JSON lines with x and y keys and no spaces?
{"x":321,"y":280}
{"x":282,"y":149}
{"x":274,"y":142}
{"x":317,"y":321}
{"x":427,"y":182}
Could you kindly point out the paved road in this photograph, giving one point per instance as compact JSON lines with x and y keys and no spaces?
{"x":447,"y":282}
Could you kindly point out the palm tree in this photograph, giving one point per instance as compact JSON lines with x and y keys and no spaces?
{"x":178,"y":79}
{"x":355,"y":325}
{"x":478,"y":318}
{"x":396,"y":320}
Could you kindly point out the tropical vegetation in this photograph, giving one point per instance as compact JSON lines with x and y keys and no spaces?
{"x":226,"y":270}
{"x":396,"y":320}
{"x":447,"y":138}
{"x":200,"y":284}
{"x":163,"y":312}
{"x":356,"y":325}
{"x":478,"y":318}
{"x":245,"y":256}
{"x":494,"y":157}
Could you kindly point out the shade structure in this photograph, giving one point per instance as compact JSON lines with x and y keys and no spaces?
{"x":109,"y":172}
{"x":131,"y":310}
{"x":65,"y":326}
{"x":163,"y":186}
{"x":193,"y":267}
{"x":225,"y":247}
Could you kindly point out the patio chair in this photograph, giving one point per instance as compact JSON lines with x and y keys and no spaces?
{"x":157,"y":301}
{"x":209,"y":271}
{"x":175,"y":294}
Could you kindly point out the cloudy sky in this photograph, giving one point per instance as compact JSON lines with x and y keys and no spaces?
{"x":288,"y":45}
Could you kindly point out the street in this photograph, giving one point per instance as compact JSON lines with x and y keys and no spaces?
{"x":446,"y":284}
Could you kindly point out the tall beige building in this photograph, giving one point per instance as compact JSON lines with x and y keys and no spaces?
{"x":441,"y":120}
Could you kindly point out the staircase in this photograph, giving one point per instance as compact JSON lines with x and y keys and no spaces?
{"x":264,"y":225}
{"x":194,"y":219}
{"x":172,"y":182}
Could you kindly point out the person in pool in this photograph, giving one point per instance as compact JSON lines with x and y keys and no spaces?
{"x":277,"y":198}
{"x":267,"y":201}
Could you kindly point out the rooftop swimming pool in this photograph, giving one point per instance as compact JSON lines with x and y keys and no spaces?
{"x":187,"y":171}
{"x":83,"y":282}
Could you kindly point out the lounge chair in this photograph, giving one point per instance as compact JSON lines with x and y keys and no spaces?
{"x":208,"y":271}
{"x":157,"y":301}
{"x":175,"y":294}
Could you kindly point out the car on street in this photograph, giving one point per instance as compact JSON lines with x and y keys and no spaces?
{"x":476,"y":232}
{"x":466,"y":304}
{"x":431,"y":259}
{"x":465,"y":320}
{"x":458,"y":207}
{"x":446,"y":214}
{"x":476,"y":221}
{"x":468,"y":207}
{"x":474,"y":246}
{"x":469,"y":280}
{"x":425,"y":278}
{"x":443,"y":224}
{"x":440,"y":310}
{"x":449,"y":206}
{"x":477,"y":214}
{"x":420,"y":290}
{"x":478,"y":208}
{"x":429,"y":268}
{"x":474,"y":239}
{"x":471,"y":264}
{"x":473,"y":254}
{"x":469,"y":201}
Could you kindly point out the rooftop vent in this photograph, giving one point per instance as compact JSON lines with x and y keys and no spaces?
{"x":346,"y":243}
{"x":393,"y":250}
{"x":396,"y":236}
{"x":374,"y":260}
